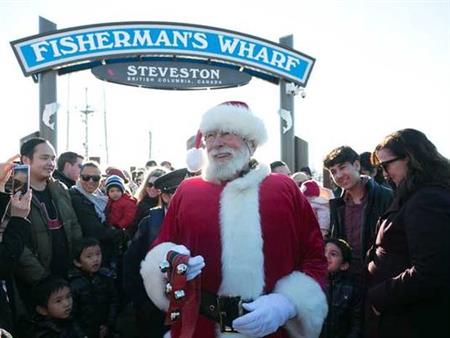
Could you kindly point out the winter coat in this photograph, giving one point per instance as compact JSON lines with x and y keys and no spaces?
{"x":121,"y":213}
{"x":344,"y":307}
{"x":13,"y":241}
{"x":133,"y":284}
{"x":36,"y":258}
{"x":379,"y":199}
{"x":321,"y":208}
{"x":410,"y":267}
{"x":144,"y":206}
{"x":95,"y":301}
{"x":58,"y":175}
{"x":45,"y":327}
{"x":147,"y":232}
{"x":108,"y":237}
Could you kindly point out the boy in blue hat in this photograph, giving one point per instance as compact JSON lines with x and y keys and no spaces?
{"x":121,"y":208}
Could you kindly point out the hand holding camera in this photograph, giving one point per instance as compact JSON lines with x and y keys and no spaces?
{"x":5,"y":171}
{"x":21,"y":178}
{"x":21,"y":204}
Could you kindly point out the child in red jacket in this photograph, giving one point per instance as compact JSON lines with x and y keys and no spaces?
{"x":121,"y":207}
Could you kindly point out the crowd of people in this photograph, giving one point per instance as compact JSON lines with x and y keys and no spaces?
{"x":228,"y":247}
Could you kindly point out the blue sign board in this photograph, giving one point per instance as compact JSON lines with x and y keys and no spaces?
{"x":64,"y":48}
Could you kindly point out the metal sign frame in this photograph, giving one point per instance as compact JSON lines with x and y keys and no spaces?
{"x":66,"y":50}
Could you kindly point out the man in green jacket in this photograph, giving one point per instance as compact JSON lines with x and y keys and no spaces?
{"x":54,"y":224}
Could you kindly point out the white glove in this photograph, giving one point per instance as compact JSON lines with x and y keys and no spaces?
{"x":267,"y":314}
{"x":195,"y":264}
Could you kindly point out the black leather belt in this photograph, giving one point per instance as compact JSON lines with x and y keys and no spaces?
{"x":222,"y":309}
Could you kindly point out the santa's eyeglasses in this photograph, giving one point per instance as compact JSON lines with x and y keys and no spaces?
{"x":211,"y":136}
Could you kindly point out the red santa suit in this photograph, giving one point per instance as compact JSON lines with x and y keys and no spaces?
{"x":258,"y":235}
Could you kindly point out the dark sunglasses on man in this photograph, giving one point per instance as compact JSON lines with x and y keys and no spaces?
{"x":94,"y":178}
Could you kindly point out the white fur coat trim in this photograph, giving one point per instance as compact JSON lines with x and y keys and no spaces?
{"x":310,"y":302}
{"x":154,"y":280}
{"x":241,"y":237}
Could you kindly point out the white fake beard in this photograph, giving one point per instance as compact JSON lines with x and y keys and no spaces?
{"x":226,"y":171}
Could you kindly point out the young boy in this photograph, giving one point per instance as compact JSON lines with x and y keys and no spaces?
{"x":343,"y":293}
{"x":94,"y":295}
{"x":121,"y":208}
{"x":53,"y":301}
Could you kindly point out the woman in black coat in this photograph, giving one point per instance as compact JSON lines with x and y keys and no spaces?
{"x":409,"y":267}
{"x":14,"y":234}
{"x":89,"y":203}
{"x":148,"y":196}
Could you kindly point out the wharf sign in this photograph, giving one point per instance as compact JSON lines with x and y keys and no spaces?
{"x":72,"y":46}
{"x":171,"y":75}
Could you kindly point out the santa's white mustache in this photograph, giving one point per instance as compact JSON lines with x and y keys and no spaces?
{"x":222,"y":151}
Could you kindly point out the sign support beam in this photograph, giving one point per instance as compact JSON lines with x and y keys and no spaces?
{"x":287,"y":131}
{"x":47,"y":95}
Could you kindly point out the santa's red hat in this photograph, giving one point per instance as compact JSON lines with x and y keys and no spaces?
{"x":231,"y":116}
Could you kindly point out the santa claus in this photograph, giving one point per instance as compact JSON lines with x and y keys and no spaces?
{"x":250,"y":234}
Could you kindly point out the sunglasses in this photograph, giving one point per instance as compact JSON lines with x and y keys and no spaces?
{"x":94,"y":178}
{"x":385,"y":165}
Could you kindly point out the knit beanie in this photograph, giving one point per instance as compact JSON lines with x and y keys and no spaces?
{"x":115,"y":181}
{"x":116,"y":171}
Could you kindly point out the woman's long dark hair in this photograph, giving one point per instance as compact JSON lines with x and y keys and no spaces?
{"x":426,"y":166}
{"x":141,"y":193}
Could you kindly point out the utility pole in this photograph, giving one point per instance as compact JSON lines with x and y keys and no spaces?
{"x":86,"y":111}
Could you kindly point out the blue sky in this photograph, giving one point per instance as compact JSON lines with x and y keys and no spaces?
{"x":380,"y":66}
